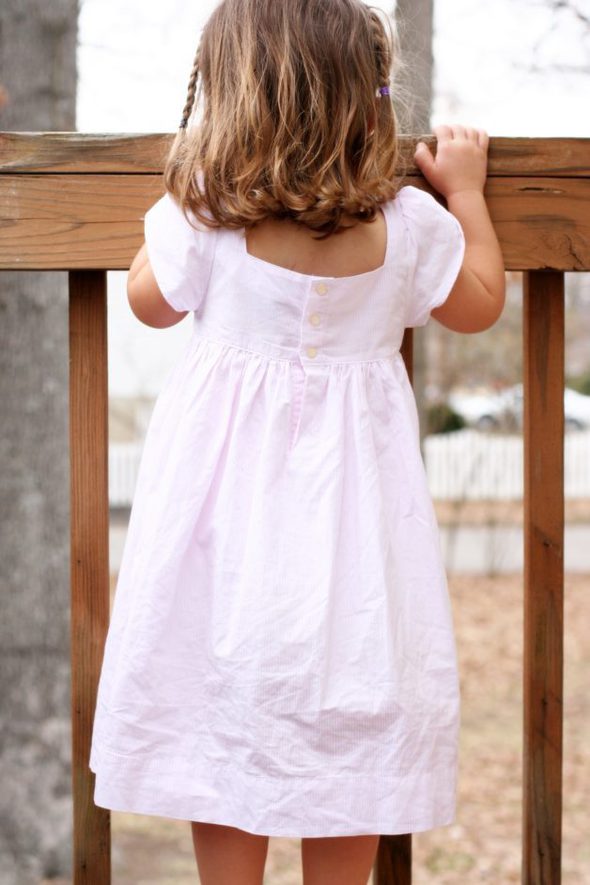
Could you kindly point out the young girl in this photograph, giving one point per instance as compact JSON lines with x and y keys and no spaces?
{"x":281,"y":657}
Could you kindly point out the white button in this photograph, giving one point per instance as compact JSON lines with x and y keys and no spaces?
{"x":314,"y":319}
{"x":321,"y":288}
{"x":312,"y":351}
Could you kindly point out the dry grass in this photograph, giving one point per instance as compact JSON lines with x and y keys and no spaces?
{"x":483,"y":845}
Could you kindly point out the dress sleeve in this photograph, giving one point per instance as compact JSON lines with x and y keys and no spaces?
{"x":181,"y":257}
{"x":436,"y":252}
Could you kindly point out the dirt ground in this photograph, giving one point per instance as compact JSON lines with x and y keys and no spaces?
{"x":483,"y":845}
{"x":508,"y":512}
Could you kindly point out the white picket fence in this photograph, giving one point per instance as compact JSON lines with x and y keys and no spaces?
{"x":470,"y":464}
{"x":465,"y":464}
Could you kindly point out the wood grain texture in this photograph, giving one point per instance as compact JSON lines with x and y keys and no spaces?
{"x":89,"y":502}
{"x":143,"y":153}
{"x":77,"y":201}
{"x":91,"y":222}
{"x":543,"y":385}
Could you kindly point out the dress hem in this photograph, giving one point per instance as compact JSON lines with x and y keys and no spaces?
{"x":151,"y":798}
{"x":152,"y":811}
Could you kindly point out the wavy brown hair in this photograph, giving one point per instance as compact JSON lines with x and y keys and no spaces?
{"x":293,"y":124}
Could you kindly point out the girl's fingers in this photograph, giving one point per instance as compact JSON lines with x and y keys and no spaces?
{"x":458,"y":131}
{"x":482,"y":139}
{"x":442,"y":132}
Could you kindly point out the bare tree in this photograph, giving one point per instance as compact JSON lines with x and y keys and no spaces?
{"x":562,"y":10}
{"x":38,"y":76}
{"x":572,"y":7}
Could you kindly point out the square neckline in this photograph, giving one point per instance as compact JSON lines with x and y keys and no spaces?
{"x":386,"y":207}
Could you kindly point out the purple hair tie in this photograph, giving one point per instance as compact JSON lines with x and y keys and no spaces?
{"x":384,"y":90}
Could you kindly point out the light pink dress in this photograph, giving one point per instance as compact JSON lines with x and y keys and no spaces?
{"x":281,"y":654}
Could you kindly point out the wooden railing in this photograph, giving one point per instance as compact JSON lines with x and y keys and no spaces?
{"x":75,"y":202}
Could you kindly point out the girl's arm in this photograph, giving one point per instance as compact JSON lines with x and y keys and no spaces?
{"x":459,"y":172}
{"x":145,"y":299}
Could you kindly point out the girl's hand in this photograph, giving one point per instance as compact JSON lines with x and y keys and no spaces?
{"x":461,"y":159}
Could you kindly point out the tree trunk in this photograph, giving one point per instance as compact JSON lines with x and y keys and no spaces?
{"x":38,"y":80}
{"x":414,"y":21}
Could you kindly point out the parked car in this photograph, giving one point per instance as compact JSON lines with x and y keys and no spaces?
{"x":483,"y":411}
{"x":577,"y":409}
{"x":504,"y":410}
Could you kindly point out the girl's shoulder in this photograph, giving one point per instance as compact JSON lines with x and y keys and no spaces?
{"x":435,"y":245}
{"x":416,"y":203}
{"x":425,"y":217}
{"x":181,"y":252}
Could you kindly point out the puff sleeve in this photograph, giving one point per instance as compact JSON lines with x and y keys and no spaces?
{"x":436,"y":248}
{"x":181,"y":257}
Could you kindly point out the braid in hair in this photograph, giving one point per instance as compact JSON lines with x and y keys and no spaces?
{"x":192,"y":89}
{"x":381,"y":47}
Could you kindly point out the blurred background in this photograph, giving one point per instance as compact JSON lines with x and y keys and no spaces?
{"x":514,"y":68}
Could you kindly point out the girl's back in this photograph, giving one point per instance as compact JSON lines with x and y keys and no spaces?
{"x":357,"y":250}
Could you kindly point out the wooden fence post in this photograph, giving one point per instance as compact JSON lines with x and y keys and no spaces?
{"x":543,"y":427}
{"x":89,"y":530}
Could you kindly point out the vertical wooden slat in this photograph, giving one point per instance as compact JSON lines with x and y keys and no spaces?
{"x":407,"y":351}
{"x":393,"y":864}
{"x":543,"y":388}
{"x":89,"y":558}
